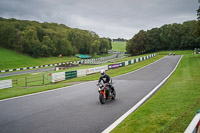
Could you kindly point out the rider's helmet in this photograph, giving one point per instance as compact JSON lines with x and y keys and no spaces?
{"x":103,"y":72}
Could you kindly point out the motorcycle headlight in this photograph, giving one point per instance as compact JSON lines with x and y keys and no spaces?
{"x":100,"y":88}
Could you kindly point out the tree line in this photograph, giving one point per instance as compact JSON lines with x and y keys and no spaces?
{"x":168,"y":37}
{"x":119,"y":40}
{"x":49,"y":39}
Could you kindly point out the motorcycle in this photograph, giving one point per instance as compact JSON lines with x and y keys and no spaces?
{"x":104,"y":94}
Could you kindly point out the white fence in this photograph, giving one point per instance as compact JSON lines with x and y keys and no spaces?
{"x":194,"y":126}
{"x":126,"y":63}
{"x":5,"y":84}
{"x":81,"y":72}
{"x":96,"y":69}
{"x":58,"y":77}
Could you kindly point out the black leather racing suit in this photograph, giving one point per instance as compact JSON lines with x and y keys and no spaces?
{"x":106,"y":80}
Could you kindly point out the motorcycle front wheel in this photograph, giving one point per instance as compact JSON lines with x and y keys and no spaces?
{"x":101,"y":98}
{"x":113,"y":94}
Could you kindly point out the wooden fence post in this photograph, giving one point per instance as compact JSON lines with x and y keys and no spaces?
{"x":25,"y":81}
{"x":43,"y":78}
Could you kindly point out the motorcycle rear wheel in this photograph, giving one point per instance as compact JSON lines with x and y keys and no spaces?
{"x":101,"y":98}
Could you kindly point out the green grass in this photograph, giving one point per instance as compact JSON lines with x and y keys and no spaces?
{"x":10,"y":60}
{"x":177,"y":52}
{"x":119,"y":46}
{"x":99,"y":56}
{"x":22,"y":90}
{"x":173,"y":107}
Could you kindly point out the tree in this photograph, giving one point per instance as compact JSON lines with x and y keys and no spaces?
{"x":168,"y":37}
{"x":30,"y":39}
{"x":95,"y":47}
{"x":153,"y":40}
{"x":51,"y":49}
{"x":198,"y":12}
{"x":47,"y":39}
{"x":104,"y":45}
{"x":137,"y":43}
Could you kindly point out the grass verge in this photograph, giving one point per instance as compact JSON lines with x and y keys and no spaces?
{"x":12,"y":60}
{"x":173,"y":107}
{"x":119,"y":46}
{"x":18,"y":91}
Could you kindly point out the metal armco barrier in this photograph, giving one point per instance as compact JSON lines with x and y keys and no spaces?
{"x":194,"y":126}
{"x":70,"y":74}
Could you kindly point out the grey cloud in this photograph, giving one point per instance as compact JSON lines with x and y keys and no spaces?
{"x":109,"y":18}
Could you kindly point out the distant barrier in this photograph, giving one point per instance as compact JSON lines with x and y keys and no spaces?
{"x":122,"y":64}
{"x":113,"y":66}
{"x":29,"y":68}
{"x":194,"y":126}
{"x":116,"y":52}
{"x":56,"y":77}
{"x":87,"y":61}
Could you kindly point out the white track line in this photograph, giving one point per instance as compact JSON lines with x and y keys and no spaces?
{"x":72,"y":85}
{"x":118,"y":121}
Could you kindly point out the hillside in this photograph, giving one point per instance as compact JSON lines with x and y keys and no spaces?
{"x":119,"y":46}
{"x":10,"y":59}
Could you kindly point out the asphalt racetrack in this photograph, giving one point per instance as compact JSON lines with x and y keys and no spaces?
{"x":76,"y":109}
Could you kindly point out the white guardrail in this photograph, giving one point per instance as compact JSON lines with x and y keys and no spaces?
{"x":5,"y":84}
{"x":194,"y":126}
{"x":81,"y":72}
{"x":60,"y":76}
{"x":96,"y":69}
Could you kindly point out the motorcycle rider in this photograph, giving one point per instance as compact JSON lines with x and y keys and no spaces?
{"x":106,"y":80}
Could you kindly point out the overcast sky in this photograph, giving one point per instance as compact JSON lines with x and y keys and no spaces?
{"x":108,"y":18}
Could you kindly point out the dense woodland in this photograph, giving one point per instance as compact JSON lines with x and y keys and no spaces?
{"x":119,"y":40}
{"x":168,"y":37}
{"x":49,"y":39}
